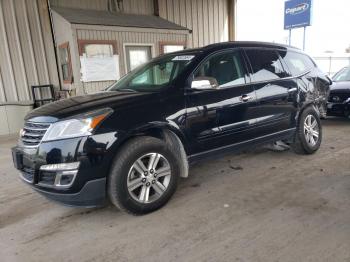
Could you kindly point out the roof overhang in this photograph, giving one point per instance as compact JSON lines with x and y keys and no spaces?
{"x":105,"y":18}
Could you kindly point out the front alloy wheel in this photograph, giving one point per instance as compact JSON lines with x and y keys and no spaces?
{"x":148,"y":178}
{"x":144,"y":175}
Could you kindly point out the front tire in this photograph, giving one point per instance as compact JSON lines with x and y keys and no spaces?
{"x":308,"y":137}
{"x":143,"y":176}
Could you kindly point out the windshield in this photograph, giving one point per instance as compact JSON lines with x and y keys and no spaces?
{"x":154,"y":75}
{"x":342,"y":75}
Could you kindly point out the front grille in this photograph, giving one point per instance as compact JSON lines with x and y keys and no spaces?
{"x":28,"y":174}
{"x":33,"y":133}
{"x":338,"y":97}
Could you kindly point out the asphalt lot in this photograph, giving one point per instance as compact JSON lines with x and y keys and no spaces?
{"x":254,"y":206}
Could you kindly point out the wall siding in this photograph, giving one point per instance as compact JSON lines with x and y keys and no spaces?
{"x":138,"y":7}
{"x":208,"y":19}
{"x":122,"y":36}
{"x":26,"y":52}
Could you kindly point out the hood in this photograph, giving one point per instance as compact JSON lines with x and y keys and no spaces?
{"x":80,"y":104}
{"x":341,"y":86}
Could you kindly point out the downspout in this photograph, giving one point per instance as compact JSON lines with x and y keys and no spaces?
{"x":54,"y":43}
{"x":155,"y":8}
{"x":232,"y":13}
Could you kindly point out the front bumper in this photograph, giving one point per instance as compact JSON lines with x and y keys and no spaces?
{"x":92,"y":194}
{"x":88,"y":185}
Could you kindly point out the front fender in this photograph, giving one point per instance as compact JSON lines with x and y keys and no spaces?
{"x":157,"y":127}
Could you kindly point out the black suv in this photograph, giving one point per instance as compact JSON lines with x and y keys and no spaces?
{"x":134,"y":140}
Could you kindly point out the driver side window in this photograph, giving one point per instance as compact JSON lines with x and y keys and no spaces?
{"x":226,"y":68}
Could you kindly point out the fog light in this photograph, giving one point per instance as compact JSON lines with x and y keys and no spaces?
{"x":65,"y":179}
{"x":64,"y":173}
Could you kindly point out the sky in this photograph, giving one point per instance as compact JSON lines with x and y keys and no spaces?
{"x":262,"y":20}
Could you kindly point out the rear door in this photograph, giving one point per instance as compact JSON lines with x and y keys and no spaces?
{"x":276,"y":91}
{"x":223,"y":115}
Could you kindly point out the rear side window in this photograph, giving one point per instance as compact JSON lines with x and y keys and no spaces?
{"x":266,"y":65}
{"x":296,"y":62}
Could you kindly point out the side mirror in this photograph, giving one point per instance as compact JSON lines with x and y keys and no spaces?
{"x":204,"y":83}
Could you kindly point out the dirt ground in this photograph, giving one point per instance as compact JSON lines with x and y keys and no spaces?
{"x":254,"y":206}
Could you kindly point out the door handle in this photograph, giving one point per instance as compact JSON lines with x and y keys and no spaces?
{"x":291,"y":90}
{"x":245,"y":98}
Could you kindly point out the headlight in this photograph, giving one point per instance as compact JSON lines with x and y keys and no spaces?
{"x":80,"y":125}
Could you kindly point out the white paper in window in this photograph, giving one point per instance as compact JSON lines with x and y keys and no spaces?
{"x":99,"y":68}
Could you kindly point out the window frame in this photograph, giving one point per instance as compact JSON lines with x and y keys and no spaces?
{"x":83,"y":42}
{"x":284,"y":66}
{"x":162,"y":44}
{"x":209,"y":56}
{"x":65,"y":45}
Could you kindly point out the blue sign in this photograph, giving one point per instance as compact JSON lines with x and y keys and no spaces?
{"x":297,"y":13}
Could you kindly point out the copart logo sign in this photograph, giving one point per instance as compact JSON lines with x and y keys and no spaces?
{"x":300,"y":8}
{"x":297,"y":13}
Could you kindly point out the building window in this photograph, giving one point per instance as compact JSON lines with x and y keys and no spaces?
{"x":65,"y":62}
{"x":97,"y":48}
{"x":137,"y":55}
{"x":169,"y":47}
{"x":99,"y":60}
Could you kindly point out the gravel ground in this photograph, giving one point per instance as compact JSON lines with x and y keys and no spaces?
{"x":254,"y":206}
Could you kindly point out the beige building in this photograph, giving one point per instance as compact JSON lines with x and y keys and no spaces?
{"x":82,"y":46}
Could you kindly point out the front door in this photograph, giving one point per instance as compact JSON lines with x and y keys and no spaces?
{"x":137,"y":55}
{"x":223,"y":115}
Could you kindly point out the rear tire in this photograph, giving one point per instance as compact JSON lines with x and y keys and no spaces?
{"x":144,"y":175}
{"x":308,"y":136}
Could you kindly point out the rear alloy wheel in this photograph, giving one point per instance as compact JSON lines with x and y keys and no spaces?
{"x":144,"y":175}
{"x":311,"y":130}
{"x":308,"y":137}
{"x":149,"y":178}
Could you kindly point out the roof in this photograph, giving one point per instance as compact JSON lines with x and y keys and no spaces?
{"x":105,"y":18}
{"x":238,"y":44}
{"x":251,"y":44}
{"x":233,"y":44}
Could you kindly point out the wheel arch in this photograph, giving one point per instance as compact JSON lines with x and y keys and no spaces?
{"x":307,"y":105}
{"x":163,"y":131}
